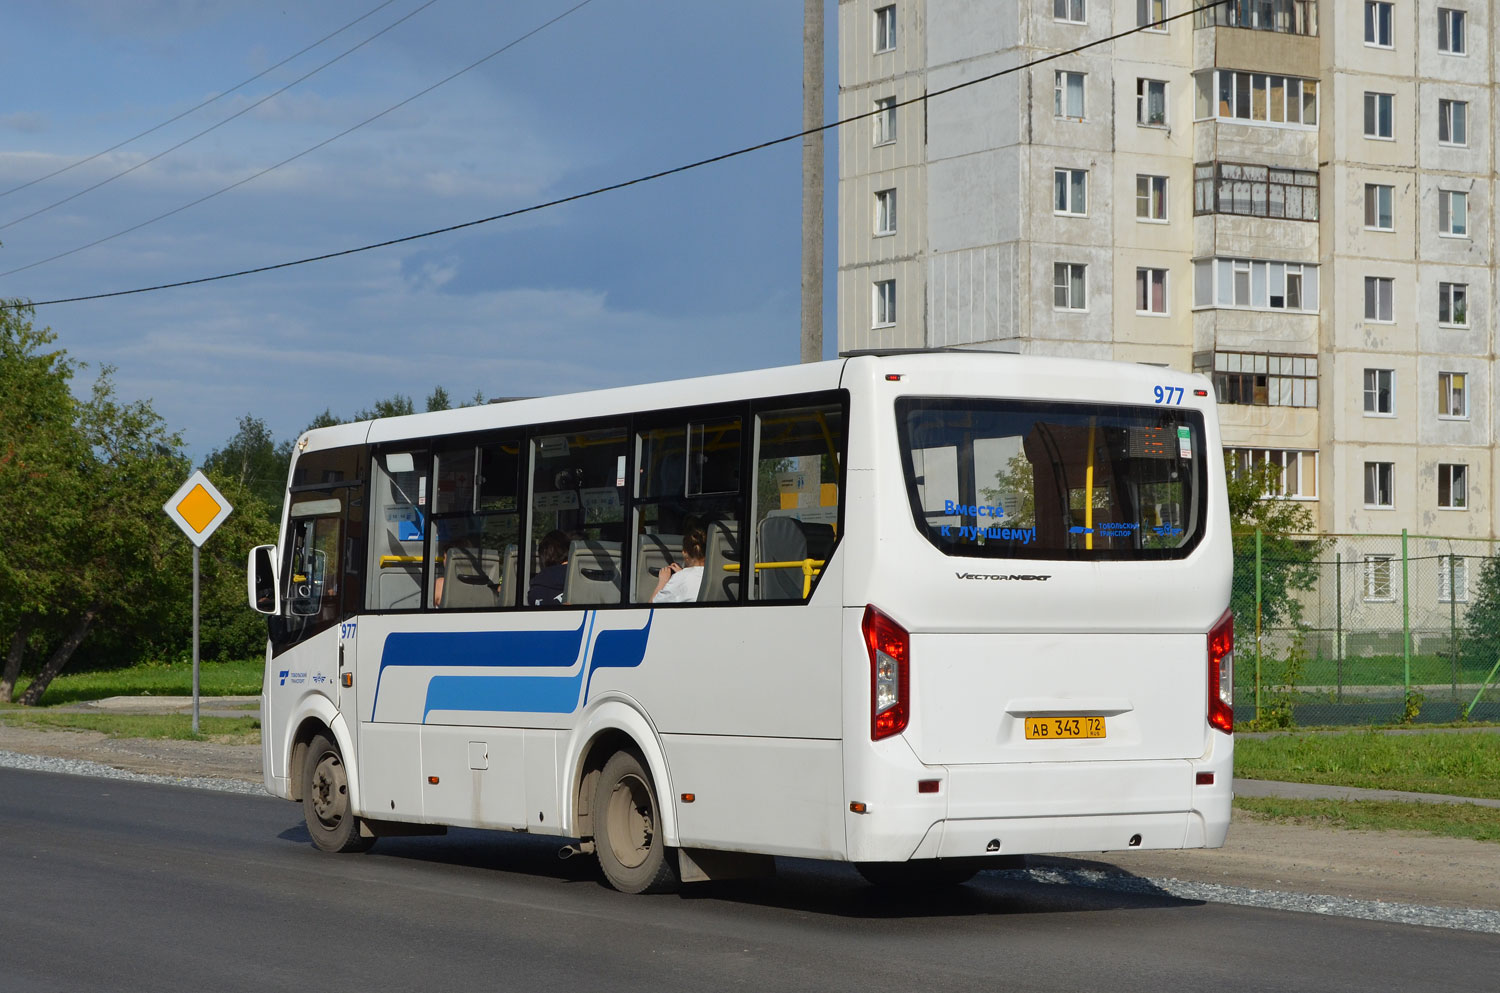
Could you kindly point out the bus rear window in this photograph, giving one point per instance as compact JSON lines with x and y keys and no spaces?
{"x":1048,"y":480}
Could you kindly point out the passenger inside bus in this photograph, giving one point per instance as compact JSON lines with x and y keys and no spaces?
{"x":547,"y":585}
{"x":680,"y":583}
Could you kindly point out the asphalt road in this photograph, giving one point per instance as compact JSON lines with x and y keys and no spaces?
{"x":118,"y":886}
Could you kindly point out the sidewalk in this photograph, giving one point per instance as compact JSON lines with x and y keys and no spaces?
{"x":208,"y":706}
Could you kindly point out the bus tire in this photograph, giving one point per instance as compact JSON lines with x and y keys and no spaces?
{"x":627,"y":829}
{"x":325,"y":799}
{"x":923,"y":874}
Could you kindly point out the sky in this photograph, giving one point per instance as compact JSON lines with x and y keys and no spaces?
{"x":690,"y":275}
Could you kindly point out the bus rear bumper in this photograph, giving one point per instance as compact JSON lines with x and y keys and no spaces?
{"x":1053,"y":808}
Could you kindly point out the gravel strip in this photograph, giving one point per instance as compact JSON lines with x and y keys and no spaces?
{"x":1309,"y":903}
{"x":81,"y":767}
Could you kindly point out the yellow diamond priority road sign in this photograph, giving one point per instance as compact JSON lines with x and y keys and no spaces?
{"x":198,"y":508}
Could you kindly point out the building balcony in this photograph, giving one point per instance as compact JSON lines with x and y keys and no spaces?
{"x":1255,"y":191}
{"x":1282,"y":16}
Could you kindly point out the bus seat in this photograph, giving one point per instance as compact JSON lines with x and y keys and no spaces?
{"x":720,"y":586}
{"x":786,"y":539}
{"x":471,"y":577}
{"x":593,"y":573}
{"x":655,"y":552}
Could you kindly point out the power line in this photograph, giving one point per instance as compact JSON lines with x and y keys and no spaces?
{"x":212,"y":127}
{"x":923,"y":98}
{"x":305,"y":151}
{"x":199,"y":106}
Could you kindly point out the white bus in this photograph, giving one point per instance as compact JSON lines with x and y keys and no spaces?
{"x":953,"y":608}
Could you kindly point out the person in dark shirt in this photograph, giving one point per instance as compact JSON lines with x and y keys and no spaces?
{"x":547,"y":585}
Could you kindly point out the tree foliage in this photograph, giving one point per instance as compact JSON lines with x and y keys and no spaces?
{"x":91,"y":570}
{"x":1288,"y":556}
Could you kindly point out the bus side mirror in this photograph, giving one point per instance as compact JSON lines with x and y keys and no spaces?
{"x":263,"y":585}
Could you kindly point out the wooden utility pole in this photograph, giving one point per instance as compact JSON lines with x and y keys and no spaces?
{"x":812,"y":181}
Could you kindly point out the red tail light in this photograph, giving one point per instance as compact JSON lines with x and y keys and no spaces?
{"x":890,"y":684}
{"x":1221,"y":674}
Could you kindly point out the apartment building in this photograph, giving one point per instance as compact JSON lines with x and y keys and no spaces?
{"x":1291,"y":196}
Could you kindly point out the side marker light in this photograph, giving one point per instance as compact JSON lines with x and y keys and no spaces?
{"x":432,"y":780}
{"x":858,"y":808}
{"x":928,"y":785}
{"x":1205,"y":779}
{"x":689,"y":797}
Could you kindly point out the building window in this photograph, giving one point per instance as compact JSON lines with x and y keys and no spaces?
{"x":1151,"y":12}
{"x":1380,"y":110}
{"x":1072,"y":11}
{"x":1378,"y":577}
{"x":1150,"y":198}
{"x":1453,"y":213}
{"x":1379,"y":303}
{"x":1451,"y":402}
{"x":1264,"y":380}
{"x":1378,"y":490}
{"x":1378,"y":24}
{"x":1255,"y":191}
{"x":1151,"y":291}
{"x":1451,"y":32}
{"x":885,"y":120}
{"x":1069,"y":286}
{"x":1070,"y":191}
{"x":1453,"y":122}
{"x":1380,"y":393}
{"x":1378,"y":200}
{"x":1298,"y":477}
{"x":1453,"y":304}
{"x":1285,"y":16}
{"x":1283,"y":101}
{"x":1067,"y":95}
{"x":1453,"y":573}
{"x":1151,"y":102}
{"x":1252,"y":284}
{"x":885,"y":303}
{"x":885,"y":212}
{"x":1453,"y":488}
{"x":885,"y":29}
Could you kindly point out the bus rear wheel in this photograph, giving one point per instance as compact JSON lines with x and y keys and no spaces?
{"x":325,"y":799}
{"x":627,"y":829}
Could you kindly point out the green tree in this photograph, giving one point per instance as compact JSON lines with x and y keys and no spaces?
{"x":438,"y":399}
{"x":1288,"y":556}
{"x":254,"y":461}
{"x":396,"y":405}
{"x":1481,"y":635}
{"x":115,"y":566}
{"x":41,"y":457}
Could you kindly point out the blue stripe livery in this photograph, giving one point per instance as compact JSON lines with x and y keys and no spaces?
{"x":513,"y":693}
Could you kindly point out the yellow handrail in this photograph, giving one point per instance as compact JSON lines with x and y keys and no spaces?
{"x":387,"y":561}
{"x":809,"y":567}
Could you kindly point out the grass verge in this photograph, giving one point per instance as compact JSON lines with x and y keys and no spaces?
{"x":233,"y":730}
{"x":236,"y":678}
{"x":1448,"y":820}
{"x":1457,"y":764}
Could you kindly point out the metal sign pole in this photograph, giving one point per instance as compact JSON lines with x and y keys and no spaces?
{"x":196,"y":552}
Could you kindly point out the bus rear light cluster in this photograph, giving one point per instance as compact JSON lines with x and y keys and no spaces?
{"x":889,"y":647}
{"x":1221,"y":674}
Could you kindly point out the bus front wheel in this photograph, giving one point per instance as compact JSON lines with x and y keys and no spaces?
{"x":627,"y":829}
{"x":325,"y":799}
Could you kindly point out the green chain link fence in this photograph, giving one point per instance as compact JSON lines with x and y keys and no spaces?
{"x":1367,"y":629}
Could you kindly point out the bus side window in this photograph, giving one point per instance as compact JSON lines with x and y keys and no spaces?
{"x":475,"y":526}
{"x":797,"y":499}
{"x":397,"y":531}
{"x":688,"y":486}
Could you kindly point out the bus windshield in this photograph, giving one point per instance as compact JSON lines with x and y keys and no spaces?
{"x":1015,"y":479}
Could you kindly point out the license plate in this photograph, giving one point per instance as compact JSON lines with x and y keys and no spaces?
{"x":1053,"y":728}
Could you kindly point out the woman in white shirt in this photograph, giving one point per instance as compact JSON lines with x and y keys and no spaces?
{"x":680,"y":583}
